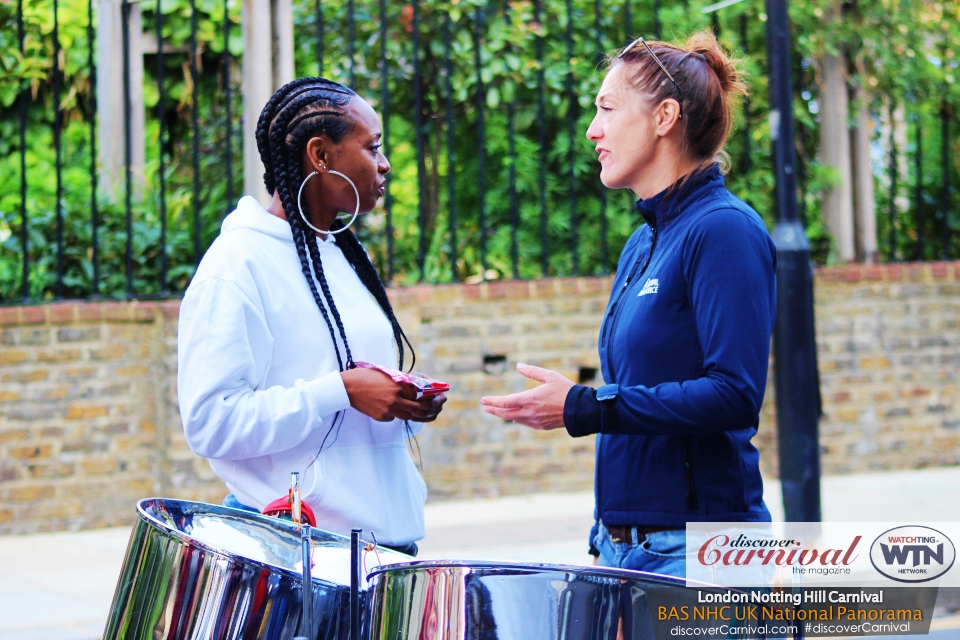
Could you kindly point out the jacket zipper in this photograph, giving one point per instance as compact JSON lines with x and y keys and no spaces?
{"x":692,"y":503}
{"x":615,"y":308}
{"x":614,"y":311}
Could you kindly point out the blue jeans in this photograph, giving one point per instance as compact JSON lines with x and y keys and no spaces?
{"x":232,"y":502}
{"x":663,"y":552}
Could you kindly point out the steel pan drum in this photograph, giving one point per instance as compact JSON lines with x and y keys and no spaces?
{"x":504,"y":601}
{"x":205,"y":572}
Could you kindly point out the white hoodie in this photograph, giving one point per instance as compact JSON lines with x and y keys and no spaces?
{"x":259,"y":384}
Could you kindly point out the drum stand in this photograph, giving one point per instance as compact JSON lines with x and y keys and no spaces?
{"x":355,"y":550}
{"x":306,"y":622}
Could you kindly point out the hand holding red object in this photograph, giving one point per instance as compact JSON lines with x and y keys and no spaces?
{"x":425,"y":385}
{"x":386,"y":394}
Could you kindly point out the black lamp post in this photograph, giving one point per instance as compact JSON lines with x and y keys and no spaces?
{"x":794,"y":339}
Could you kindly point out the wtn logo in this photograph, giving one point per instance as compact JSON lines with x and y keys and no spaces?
{"x":899,"y":554}
{"x":912,"y":554}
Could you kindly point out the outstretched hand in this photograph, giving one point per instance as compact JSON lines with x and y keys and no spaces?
{"x":540,"y":407}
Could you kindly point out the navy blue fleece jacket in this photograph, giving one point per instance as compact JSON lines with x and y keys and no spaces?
{"x":684,"y":348}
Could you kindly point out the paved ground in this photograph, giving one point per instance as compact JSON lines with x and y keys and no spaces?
{"x":59,"y":586}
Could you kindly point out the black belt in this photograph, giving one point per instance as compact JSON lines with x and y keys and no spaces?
{"x":624,"y":533}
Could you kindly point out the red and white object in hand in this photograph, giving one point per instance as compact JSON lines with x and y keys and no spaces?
{"x":425,"y":385}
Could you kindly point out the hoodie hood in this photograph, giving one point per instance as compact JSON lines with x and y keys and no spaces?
{"x":250,"y":214}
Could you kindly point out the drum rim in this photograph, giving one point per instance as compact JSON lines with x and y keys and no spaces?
{"x":535,"y":567}
{"x":231,"y":555}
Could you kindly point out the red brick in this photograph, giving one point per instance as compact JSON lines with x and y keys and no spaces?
{"x":471,"y":291}
{"x":170,"y":309}
{"x":61,"y":313}
{"x":875,"y":272}
{"x":518,"y":290}
{"x":852,"y":273}
{"x":414,"y":293}
{"x":9,"y":316}
{"x":940,"y":270}
{"x":497,"y":290}
{"x":88,"y":311}
{"x":568,"y":286}
{"x":829,"y":274}
{"x":33,"y":315}
{"x":592,"y":285}
{"x":116,"y":311}
{"x":543,"y":288}
{"x":424,"y":293}
{"x":895,"y":272}
{"x":143,"y":311}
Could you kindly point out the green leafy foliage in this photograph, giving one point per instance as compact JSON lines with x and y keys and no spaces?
{"x":901,"y":50}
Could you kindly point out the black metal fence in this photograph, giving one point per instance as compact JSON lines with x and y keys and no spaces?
{"x":490,"y":98}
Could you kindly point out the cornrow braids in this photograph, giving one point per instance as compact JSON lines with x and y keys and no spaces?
{"x":299,"y":110}
{"x":300,"y":242}
{"x":287,"y":173}
{"x":263,"y":128}
{"x":358,"y":258}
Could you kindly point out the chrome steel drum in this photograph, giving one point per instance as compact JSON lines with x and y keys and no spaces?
{"x":493,"y":601}
{"x":200,"y":571}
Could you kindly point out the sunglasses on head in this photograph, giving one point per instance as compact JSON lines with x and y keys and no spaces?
{"x":640,"y":40}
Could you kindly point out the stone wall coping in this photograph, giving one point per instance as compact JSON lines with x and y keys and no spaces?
{"x":72,"y":311}
{"x":894,"y":272}
{"x":76,"y":311}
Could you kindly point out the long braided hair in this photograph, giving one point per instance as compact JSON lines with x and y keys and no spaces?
{"x":298,"y":111}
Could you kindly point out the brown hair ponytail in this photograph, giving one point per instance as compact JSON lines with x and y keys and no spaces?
{"x":710,"y":84}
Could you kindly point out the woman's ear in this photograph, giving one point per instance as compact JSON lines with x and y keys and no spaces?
{"x":666,"y":116}
{"x":315,"y":154}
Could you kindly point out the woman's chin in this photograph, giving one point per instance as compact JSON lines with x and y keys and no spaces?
{"x":611,"y":181}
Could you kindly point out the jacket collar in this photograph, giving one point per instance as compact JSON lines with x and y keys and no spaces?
{"x":659,"y":209}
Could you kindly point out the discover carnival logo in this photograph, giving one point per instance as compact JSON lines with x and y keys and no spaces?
{"x":912,"y":554}
{"x":764,"y":551}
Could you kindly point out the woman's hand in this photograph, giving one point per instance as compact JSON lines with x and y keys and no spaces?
{"x":540,"y":408}
{"x":375,"y":394}
{"x":430,"y":408}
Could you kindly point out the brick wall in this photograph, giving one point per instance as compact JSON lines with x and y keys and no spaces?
{"x":89,"y":420}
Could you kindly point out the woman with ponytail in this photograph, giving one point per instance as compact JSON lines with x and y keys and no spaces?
{"x":685,"y":341}
{"x":283,"y":304}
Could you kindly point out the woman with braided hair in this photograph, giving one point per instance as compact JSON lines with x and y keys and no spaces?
{"x":282,"y":305}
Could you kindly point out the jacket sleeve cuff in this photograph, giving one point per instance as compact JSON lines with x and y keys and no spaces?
{"x":581,"y":411}
{"x":329,"y":393}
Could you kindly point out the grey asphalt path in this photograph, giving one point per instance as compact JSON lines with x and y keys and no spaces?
{"x":59,"y":586}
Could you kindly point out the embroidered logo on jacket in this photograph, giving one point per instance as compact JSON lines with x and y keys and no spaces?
{"x":650,"y":286}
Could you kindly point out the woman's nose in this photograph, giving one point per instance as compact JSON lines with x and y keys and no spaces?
{"x":594,"y":131}
{"x":384,"y":165}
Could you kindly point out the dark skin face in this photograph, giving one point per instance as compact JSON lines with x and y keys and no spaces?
{"x":357,"y":156}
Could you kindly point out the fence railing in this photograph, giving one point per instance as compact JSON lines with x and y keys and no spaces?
{"x":484,"y":106}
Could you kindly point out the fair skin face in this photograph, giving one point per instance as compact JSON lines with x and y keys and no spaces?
{"x":639,"y":148}
{"x":371,"y":392}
